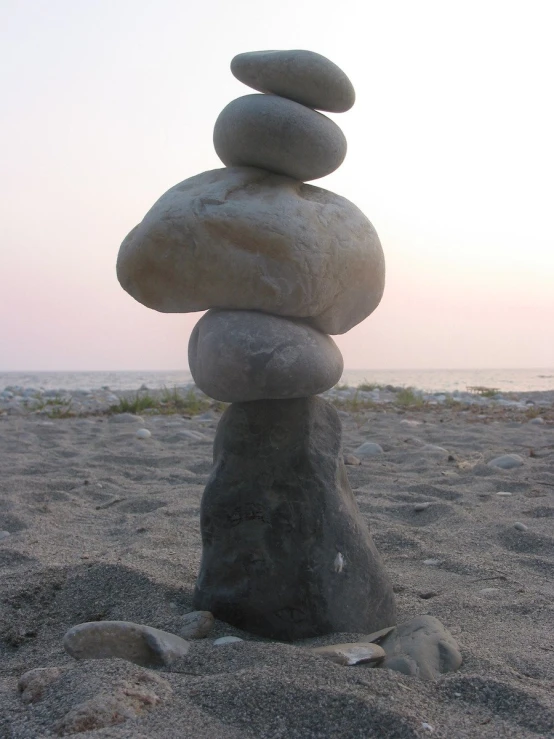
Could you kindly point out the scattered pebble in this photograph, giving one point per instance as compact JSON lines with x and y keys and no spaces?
{"x":196,"y":625}
{"x":369,"y":449}
{"x":143,"y":434}
{"x":410,"y":422}
{"x":538,"y":420}
{"x":504,"y":494}
{"x":352,"y":654}
{"x":351,"y":459}
{"x":226,"y":640}
{"x":520,"y":526}
{"x":431,"y":562}
{"x":4,"y":535}
{"x":421,"y":507}
{"x":427,"y":727}
{"x":426,"y":595}
{"x":506,"y":461}
{"x":136,"y":643}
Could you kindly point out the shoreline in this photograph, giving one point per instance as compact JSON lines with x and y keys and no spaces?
{"x":188,"y":399}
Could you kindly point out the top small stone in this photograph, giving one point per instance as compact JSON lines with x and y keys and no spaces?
{"x":303,"y":76}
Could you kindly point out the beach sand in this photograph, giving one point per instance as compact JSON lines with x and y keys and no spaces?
{"x":105,"y":526}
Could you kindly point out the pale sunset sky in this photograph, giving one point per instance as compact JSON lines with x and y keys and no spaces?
{"x":106,"y":104}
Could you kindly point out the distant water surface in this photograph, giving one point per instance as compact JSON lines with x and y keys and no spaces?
{"x":515,"y":380}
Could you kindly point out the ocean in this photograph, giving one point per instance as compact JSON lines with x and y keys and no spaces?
{"x":430,"y":380}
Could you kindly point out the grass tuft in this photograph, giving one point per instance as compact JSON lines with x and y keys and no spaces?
{"x":409,"y":399}
{"x":169,"y":401}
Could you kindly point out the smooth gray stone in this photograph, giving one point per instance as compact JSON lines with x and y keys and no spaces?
{"x":506,"y":462}
{"x":196,"y":625}
{"x":136,"y":643}
{"x":279,"y":135}
{"x":244,"y":239}
{"x":303,"y":76}
{"x":277,"y":517}
{"x":237,"y":356}
{"x":369,"y":449}
{"x":423,"y":647}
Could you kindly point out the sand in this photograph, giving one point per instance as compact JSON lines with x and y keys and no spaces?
{"x":103,"y":525}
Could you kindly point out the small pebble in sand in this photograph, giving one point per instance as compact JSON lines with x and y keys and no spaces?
{"x":431,"y":562}
{"x":421,"y":507}
{"x":520,"y":526}
{"x":352,"y":654}
{"x":538,"y":420}
{"x":226,"y":640}
{"x":426,"y":595}
{"x":506,"y":461}
{"x":504,"y":494}
{"x":352,"y":460}
{"x":369,"y":449}
{"x":196,"y":625}
{"x":4,"y":535}
{"x":427,"y":727}
{"x":143,"y":434}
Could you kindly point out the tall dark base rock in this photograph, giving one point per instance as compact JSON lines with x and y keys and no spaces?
{"x":286,"y":552}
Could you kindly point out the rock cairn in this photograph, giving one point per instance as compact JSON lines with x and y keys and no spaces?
{"x":279,"y":265}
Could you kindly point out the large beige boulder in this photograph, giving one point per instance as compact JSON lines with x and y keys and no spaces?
{"x":241,"y":238}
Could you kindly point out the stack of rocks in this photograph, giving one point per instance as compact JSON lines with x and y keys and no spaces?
{"x":279,"y":265}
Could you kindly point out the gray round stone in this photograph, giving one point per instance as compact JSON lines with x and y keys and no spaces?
{"x":279,"y":135}
{"x":237,"y":356}
{"x":506,"y":461}
{"x":303,"y":76}
{"x":244,"y":239}
{"x":369,"y":449}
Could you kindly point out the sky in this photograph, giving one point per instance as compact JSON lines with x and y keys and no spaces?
{"x":106,"y":104}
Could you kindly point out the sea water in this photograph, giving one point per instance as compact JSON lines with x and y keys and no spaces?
{"x":430,"y":380}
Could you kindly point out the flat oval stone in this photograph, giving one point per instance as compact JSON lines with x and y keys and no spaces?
{"x":303,"y":76}
{"x":352,"y":654}
{"x":236,"y":356}
{"x":244,"y":239}
{"x":227,"y":640}
{"x":136,"y":643}
{"x":196,"y":625}
{"x":279,"y":135}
